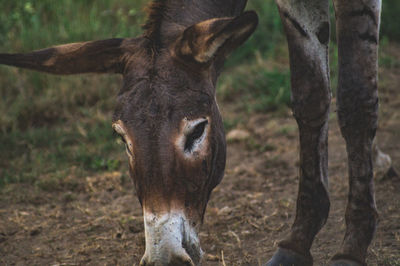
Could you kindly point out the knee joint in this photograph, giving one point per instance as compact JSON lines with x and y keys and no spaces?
{"x":313,"y":112}
{"x":357,"y":119}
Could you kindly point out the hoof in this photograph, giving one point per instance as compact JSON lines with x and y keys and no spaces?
{"x":286,"y":257}
{"x":344,"y":262}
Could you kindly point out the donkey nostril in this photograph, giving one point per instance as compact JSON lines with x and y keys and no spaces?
{"x":176,"y":260}
{"x":182,"y":261}
{"x":188,"y":263}
{"x":143,"y":262}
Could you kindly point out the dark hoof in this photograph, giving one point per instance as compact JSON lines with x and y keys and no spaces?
{"x":344,"y":262}
{"x":286,"y":257}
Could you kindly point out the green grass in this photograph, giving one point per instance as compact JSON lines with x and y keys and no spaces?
{"x":258,"y":88}
{"x":33,"y":24}
{"x":390,"y":20}
{"x":57,"y":126}
{"x":77,"y":148}
{"x":265,"y":39}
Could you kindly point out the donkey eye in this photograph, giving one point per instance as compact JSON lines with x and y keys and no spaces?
{"x":128,"y":151}
{"x":195,"y":135}
{"x":119,"y":135}
{"x":122,"y":139}
{"x":119,"y":130}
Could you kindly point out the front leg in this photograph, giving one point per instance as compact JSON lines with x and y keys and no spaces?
{"x":357,"y":100}
{"x":307,"y":29}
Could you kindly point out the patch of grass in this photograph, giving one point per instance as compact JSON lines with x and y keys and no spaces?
{"x":33,"y":99}
{"x":34,"y":24}
{"x":333,"y":67}
{"x":272,"y":89}
{"x":386,"y":60}
{"x":390,"y":20}
{"x":37,"y":153}
{"x":286,"y":130}
{"x":98,"y":163}
{"x":230,"y":124}
{"x":267,"y":37}
{"x":258,"y":88}
{"x":254,"y":145}
{"x":389,"y":62}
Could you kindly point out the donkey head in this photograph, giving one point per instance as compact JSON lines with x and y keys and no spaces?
{"x":168,"y":117}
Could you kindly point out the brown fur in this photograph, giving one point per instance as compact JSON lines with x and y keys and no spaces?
{"x":155,"y":11}
{"x":169,"y":76}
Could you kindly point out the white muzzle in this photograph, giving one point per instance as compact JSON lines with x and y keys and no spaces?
{"x":170,"y":240}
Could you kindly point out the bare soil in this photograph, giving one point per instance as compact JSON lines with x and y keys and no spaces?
{"x":97,"y":220}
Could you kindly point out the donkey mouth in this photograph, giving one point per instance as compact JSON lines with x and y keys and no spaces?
{"x":170,"y":240}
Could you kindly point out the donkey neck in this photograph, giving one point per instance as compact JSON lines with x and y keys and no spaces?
{"x":168,"y":18}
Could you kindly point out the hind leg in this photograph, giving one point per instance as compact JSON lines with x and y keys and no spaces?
{"x":357,"y":100}
{"x":307,"y":29}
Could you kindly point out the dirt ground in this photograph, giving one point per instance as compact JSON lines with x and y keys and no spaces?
{"x":97,"y":220}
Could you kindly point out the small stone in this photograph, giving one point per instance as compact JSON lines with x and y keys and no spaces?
{"x":211,"y":257}
{"x":225,"y":210}
{"x":237,"y":135}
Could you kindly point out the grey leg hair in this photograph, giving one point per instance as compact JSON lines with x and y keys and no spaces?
{"x":357,"y":102}
{"x":307,"y":30}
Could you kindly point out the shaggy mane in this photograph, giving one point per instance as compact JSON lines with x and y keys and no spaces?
{"x":155,"y":12}
{"x":195,"y":10}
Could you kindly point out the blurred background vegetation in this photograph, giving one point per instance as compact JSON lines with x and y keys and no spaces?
{"x":56,"y":125}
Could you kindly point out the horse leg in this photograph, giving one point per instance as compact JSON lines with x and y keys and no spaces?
{"x":306,"y":25}
{"x":357,"y":101}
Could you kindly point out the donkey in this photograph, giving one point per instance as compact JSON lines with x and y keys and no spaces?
{"x":169,"y":119}
{"x":166,"y":111}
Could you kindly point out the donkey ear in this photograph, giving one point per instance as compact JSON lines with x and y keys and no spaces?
{"x":215,"y":37}
{"x":74,"y":58}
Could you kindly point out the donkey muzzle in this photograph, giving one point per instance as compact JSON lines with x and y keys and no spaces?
{"x":170,"y":240}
